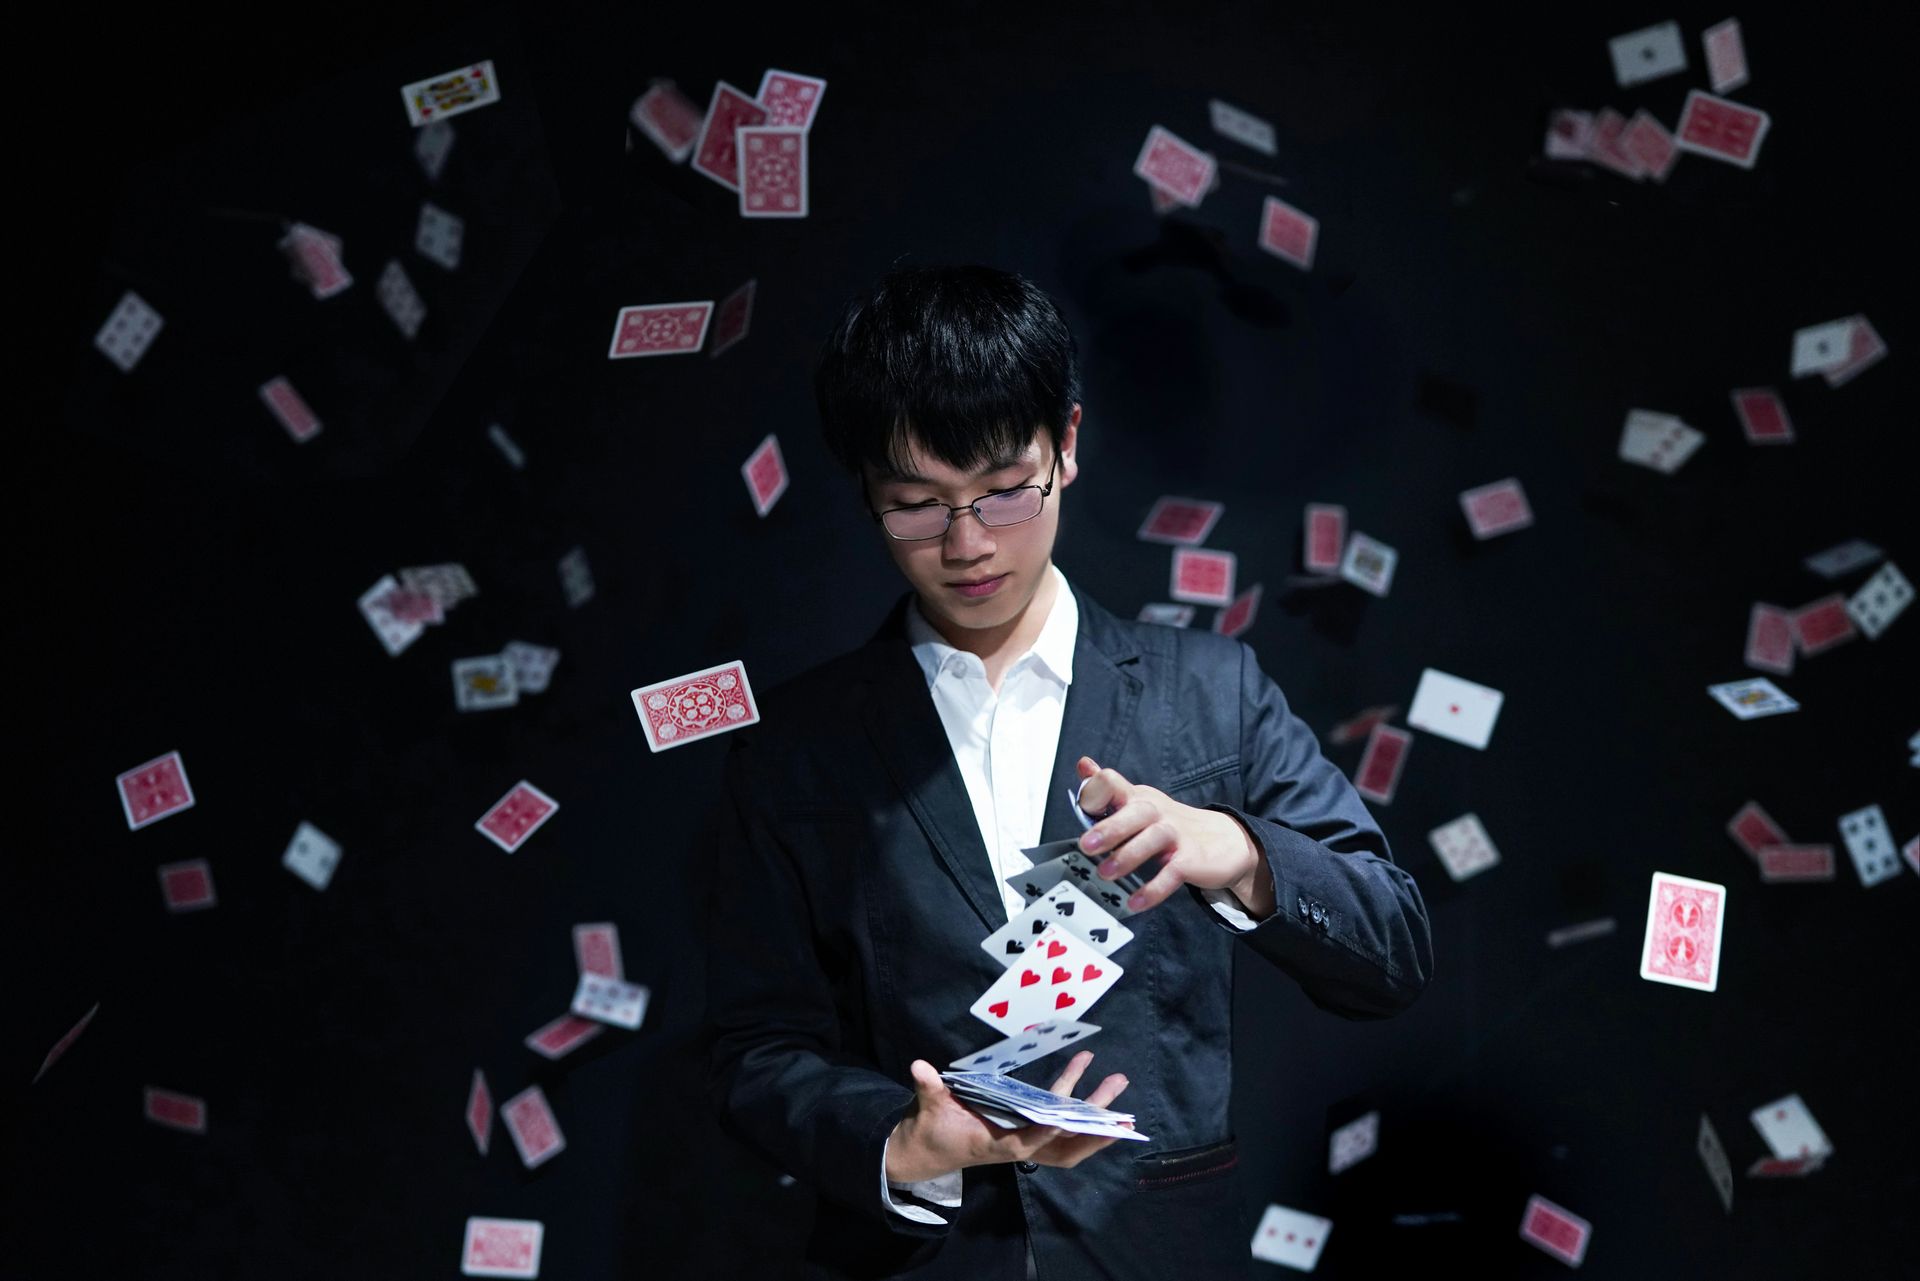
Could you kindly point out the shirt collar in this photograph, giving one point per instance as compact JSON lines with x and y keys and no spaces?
{"x":1052,"y":649}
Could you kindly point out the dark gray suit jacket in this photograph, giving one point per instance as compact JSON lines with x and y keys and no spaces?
{"x":853,"y":887}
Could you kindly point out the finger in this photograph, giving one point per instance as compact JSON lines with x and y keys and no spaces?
{"x":1071,"y":1077}
{"x":1156,"y":891}
{"x":1086,"y":767}
{"x":1108,"y":1090}
{"x":1103,"y":790}
{"x":1114,"y":829}
{"x":1151,"y":834}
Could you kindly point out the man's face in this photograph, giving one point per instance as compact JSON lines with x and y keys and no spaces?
{"x":1015,"y":555}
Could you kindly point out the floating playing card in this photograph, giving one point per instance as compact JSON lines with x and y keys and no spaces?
{"x":715,"y":154}
{"x":1818,"y":347}
{"x":508,"y":449}
{"x":1724,"y":130}
{"x":175,"y":1111}
{"x":1353,"y":1143}
{"x":1291,"y":1237}
{"x":1362,"y":725}
{"x":65,"y":1043}
{"x":1176,"y":167}
{"x":431,"y":144}
{"x":1202,"y":577}
{"x":1796,"y":863}
{"x":484,"y":682}
{"x":1569,"y":134}
{"x":531,"y":1125}
{"x":1455,"y":708}
{"x":284,"y":403}
{"x":1843,"y":558}
{"x":731,"y":318}
{"x":1248,"y":130}
{"x":610,"y":1000}
{"x":1650,"y":145}
{"x":129,"y":331}
{"x":1762,"y":416}
{"x":1184,"y":522}
{"x":1464,"y":847}
{"x":189,"y":885}
{"x":1880,"y":600}
{"x":1238,"y":617}
{"x":791,"y":98}
{"x":1604,"y":148}
{"x":502,"y":1248}
{"x":1770,"y":640}
{"x":1789,"y":1166}
{"x":1684,"y":922}
{"x":150,"y":792}
{"x":400,"y":300}
{"x":451,"y":93}
{"x":1864,"y":348}
{"x":1380,"y":765}
{"x":480,"y":1112}
{"x":1326,"y":537}
{"x":312,"y":856}
{"x":1714,"y":1157}
{"x":1289,"y":233}
{"x":1726,"y":64}
{"x":516,"y":816}
{"x":313,"y":258}
{"x":1569,"y":934}
{"x":1753,"y":698}
{"x":1753,"y":829}
{"x":1166,"y":614}
{"x":1556,"y":1230}
{"x":1819,"y":626}
{"x":698,"y":705}
{"x":1499,"y":508}
{"x":773,"y":171}
{"x":1869,"y":845}
{"x":576,"y":578}
{"x":532,"y":665}
{"x":1060,"y":977}
{"x":1911,"y":850}
{"x":1659,"y":441}
{"x":669,"y":118}
{"x":1067,"y":906}
{"x":1647,"y":54}
{"x":562,"y":1036}
{"x":766,"y":474}
{"x":1025,"y":1047}
{"x":659,"y":329}
{"x":1790,"y":1130}
{"x":1369,"y":564}
{"x":1064,"y":860}
{"x":596,"y":949}
{"x":439,"y":235}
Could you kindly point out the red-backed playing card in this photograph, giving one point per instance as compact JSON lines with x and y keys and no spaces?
{"x":1608,"y":126}
{"x":1726,"y":56}
{"x":791,"y":98}
{"x":1289,"y":233}
{"x":65,"y":1043}
{"x":1762,"y":416}
{"x":1184,"y":522}
{"x":1724,"y":130}
{"x":659,"y":329}
{"x":731,"y":318}
{"x":1238,"y":617}
{"x":1499,"y":508}
{"x":1820,"y":626}
{"x":698,"y":705}
{"x":1651,"y":146}
{"x":480,"y":1111}
{"x":596,"y":950}
{"x":502,"y":1248}
{"x":773,"y":171}
{"x":186,"y":886}
{"x":1326,"y":537}
{"x":766,"y":474}
{"x":1796,"y":863}
{"x":1175,"y":166}
{"x":532,"y":1127}
{"x":176,"y":1111}
{"x":1770,"y":639}
{"x":1202,"y":577}
{"x":284,"y":403}
{"x":154,"y":790}
{"x":562,"y":1036}
{"x":1555,"y":1229}
{"x":716,"y":155}
{"x":1380,"y":765}
{"x":669,"y":118}
{"x":1685,"y":919}
{"x":516,"y":816}
{"x":1752,"y":829}
{"x":1360,"y":726}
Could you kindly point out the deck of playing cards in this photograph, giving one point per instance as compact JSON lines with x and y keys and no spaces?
{"x":991,"y":1092}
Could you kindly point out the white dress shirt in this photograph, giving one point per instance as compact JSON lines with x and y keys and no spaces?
{"x":1004,"y":742}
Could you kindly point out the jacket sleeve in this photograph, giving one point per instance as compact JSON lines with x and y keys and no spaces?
{"x":1348,"y":924}
{"x":778,"y":1078}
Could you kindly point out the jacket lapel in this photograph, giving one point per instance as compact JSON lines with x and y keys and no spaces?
{"x":1100,"y":709}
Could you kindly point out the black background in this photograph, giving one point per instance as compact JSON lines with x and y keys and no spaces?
{"x":190,"y":577}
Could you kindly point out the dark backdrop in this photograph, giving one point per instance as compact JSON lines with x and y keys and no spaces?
{"x":1474,"y":313}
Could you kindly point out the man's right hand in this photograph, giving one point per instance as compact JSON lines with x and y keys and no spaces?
{"x":942,"y":1134}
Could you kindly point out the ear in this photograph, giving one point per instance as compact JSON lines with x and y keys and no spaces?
{"x":1069,"y":443}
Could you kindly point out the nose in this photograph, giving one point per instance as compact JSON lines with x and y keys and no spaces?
{"x":968,"y":539}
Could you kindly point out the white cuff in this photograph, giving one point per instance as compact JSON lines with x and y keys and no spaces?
{"x":942,"y":1190}
{"x":1223,"y":902}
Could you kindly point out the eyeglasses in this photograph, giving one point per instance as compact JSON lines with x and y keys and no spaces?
{"x":998,"y":509}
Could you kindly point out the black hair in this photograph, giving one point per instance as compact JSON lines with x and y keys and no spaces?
{"x":968,"y":360}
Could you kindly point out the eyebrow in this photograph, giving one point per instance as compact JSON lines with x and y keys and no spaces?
{"x":892,"y":477}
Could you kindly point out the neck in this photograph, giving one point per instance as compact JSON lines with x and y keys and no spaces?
{"x":998,"y":646}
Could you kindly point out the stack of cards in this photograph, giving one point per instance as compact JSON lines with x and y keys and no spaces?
{"x":755,"y":147}
{"x":1009,"y":1102}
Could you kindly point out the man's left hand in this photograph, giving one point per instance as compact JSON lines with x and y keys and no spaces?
{"x":1204,"y":848}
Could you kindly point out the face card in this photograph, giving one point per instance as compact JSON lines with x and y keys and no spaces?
{"x":516,"y":816}
{"x":480,"y":1112}
{"x":312,"y":855}
{"x":766,"y":475}
{"x":1291,"y":1237}
{"x":773,"y":171}
{"x":659,"y":329}
{"x":610,"y":1000}
{"x":438,"y":235}
{"x":65,"y":1043}
{"x":1753,"y":829}
{"x":1647,"y":54}
{"x":1067,"y":906}
{"x":669,"y":118}
{"x":1650,"y":145}
{"x":698,"y":705}
{"x":1380,"y":765}
{"x":1569,"y":135}
{"x":1175,"y":166}
{"x":791,"y":98}
{"x":1288,"y":233}
{"x":596,"y":949}
{"x":1455,"y":709}
{"x":187,"y":886}
{"x":1714,"y":1157}
{"x":1060,"y":977}
{"x":1326,"y":536}
{"x":395,"y":633}
{"x":576,"y":578}
{"x":1724,"y":130}
{"x":175,"y":1111}
{"x":1770,"y":642}
{"x":1865,"y":347}
{"x":431,"y":145}
{"x":484,"y":682}
{"x":1819,"y":626}
{"x":1360,"y":726}
{"x":1763,"y":417}
{"x":1790,"y":1130}
{"x":1843,"y":558}
{"x":1166,"y":614}
{"x":1202,"y":577}
{"x":502,"y":1248}
{"x":129,"y":331}
{"x":1869,"y":845}
{"x":1463,"y":846}
{"x":532,"y":1127}
{"x":1685,"y":918}
{"x":1818,"y":347}
{"x":563,"y":1036}
{"x":1353,"y":1143}
{"x":451,"y":93}
{"x":532,"y":665}
{"x":1236,"y":618}
{"x":1183,"y":522}
{"x":1726,"y":56}
{"x":1556,"y":1230}
{"x":1604,"y":147}
{"x":291,"y":412}
{"x":1796,"y":863}
{"x":1244,"y":128}
{"x":400,"y":300}
{"x":150,"y":792}
{"x":1499,"y":508}
{"x":1880,"y":600}
{"x":1369,"y":564}
{"x":715,"y":154}
{"x":731,"y":318}
{"x":1753,"y":698}
{"x":1026,"y":1047}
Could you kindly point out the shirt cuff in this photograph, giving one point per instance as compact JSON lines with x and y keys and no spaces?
{"x":1229,"y":908}
{"x":943,"y":1190}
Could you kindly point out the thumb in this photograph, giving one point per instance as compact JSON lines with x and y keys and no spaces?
{"x":926,"y":1081}
{"x":1086,"y":767}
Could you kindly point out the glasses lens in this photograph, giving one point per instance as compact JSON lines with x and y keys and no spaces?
{"x":1011,"y":507}
{"x":916,"y":522}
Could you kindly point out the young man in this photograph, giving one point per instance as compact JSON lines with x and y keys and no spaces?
{"x":876,"y":808}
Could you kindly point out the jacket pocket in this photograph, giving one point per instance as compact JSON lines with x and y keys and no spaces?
{"x":1180,"y":1166}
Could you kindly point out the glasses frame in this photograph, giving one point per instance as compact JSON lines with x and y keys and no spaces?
{"x":1045,"y":490}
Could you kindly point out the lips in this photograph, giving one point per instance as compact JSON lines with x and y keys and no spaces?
{"x":975,"y":582}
